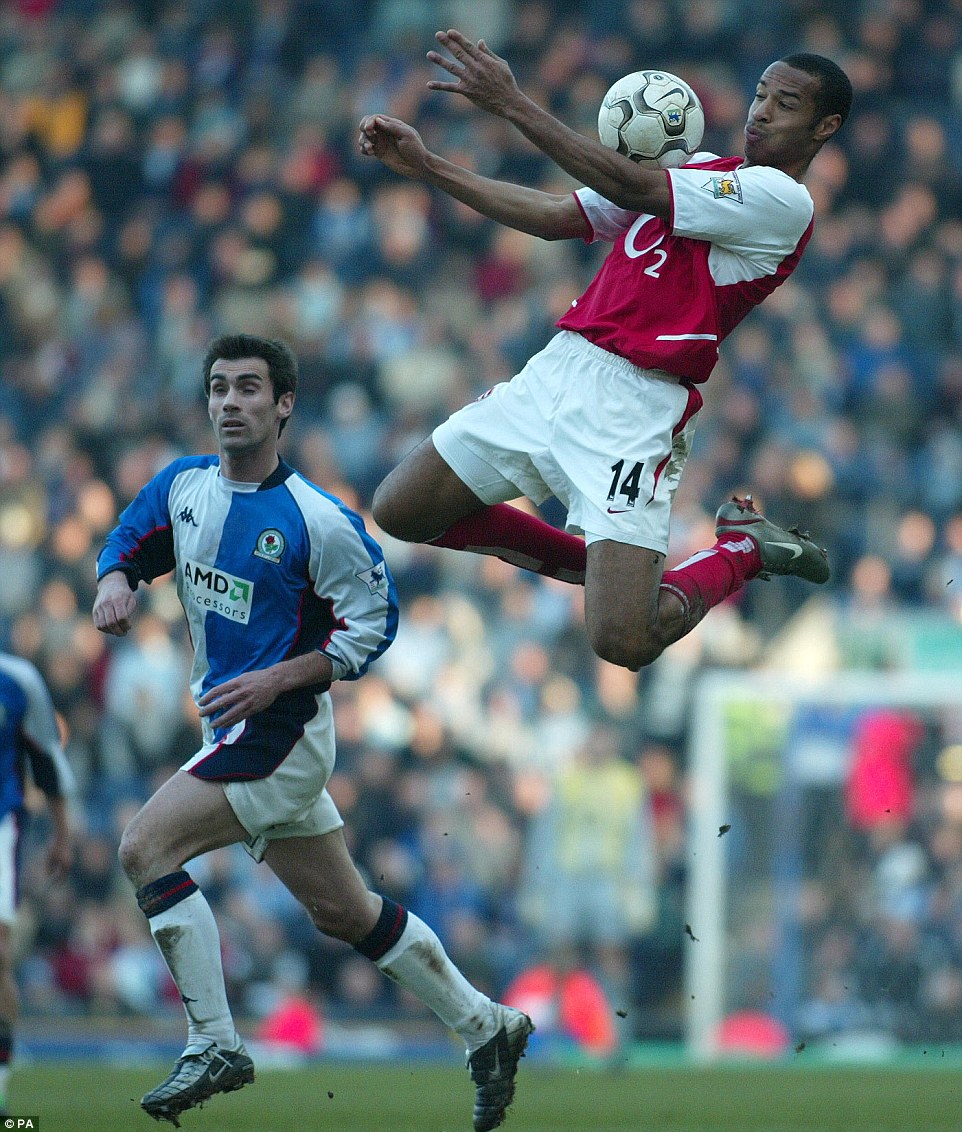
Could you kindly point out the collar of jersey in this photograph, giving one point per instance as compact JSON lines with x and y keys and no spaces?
{"x":277,"y":477}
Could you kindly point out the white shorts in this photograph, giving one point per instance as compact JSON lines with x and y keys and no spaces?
{"x":607,"y":438}
{"x":293,"y":801}
{"x":9,"y":879}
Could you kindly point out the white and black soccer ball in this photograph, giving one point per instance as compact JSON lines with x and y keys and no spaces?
{"x":653,"y":117}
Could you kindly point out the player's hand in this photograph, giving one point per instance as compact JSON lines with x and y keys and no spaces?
{"x":115,"y":604}
{"x":240,"y":698}
{"x":481,"y":76}
{"x":393,"y":142}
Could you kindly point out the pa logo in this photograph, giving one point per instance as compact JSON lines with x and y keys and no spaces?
{"x":270,"y":545}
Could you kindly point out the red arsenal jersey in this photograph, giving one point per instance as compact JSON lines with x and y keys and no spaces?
{"x":669,"y":292}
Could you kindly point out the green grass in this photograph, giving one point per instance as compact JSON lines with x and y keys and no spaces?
{"x":95,"y":1098}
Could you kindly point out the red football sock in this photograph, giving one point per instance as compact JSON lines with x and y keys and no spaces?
{"x":708,"y":577}
{"x":519,"y":538}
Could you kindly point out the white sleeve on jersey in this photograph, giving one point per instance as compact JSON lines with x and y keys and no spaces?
{"x":756,"y":211}
{"x":607,"y":220}
{"x":49,"y":764}
{"x":349,"y":572}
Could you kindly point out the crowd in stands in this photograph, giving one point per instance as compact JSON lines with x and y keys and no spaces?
{"x":170,"y":169}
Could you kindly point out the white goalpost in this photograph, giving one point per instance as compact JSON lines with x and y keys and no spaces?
{"x":769,"y":755}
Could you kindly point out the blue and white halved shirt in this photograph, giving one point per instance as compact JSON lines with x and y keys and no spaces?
{"x":265,"y":572}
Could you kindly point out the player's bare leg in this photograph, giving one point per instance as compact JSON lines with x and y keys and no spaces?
{"x":422,"y":497}
{"x":634,"y":610}
{"x":186,"y":817}
{"x":320,"y":873}
{"x":630,"y":621}
{"x":424,"y":500}
{"x":9,"y":1010}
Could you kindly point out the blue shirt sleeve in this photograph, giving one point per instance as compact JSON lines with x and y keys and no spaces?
{"x":142,"y":543}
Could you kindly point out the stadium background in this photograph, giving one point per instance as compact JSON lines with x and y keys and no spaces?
{"x":172,"y":169}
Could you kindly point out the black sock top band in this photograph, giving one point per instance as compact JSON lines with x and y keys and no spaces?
{"x":165,"y":892}
{"x":386,"y":932}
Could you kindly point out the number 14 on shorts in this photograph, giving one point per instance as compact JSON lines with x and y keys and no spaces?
{"x":625,"y":485}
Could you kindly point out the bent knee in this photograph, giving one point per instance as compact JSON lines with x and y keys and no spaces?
{"x":613,"y":644}
{"x":129,"y":852}
{"x":393,"y":516}
{"x":337,"y":918}
{"x":422,"y":497}
{"x":325,"y":914}
{"x":134,"y":854}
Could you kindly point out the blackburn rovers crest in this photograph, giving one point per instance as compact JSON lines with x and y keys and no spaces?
{"x":270,"y":545}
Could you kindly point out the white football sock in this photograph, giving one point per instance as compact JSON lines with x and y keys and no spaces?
{"x":189,"y":941}
{"x":420,"y":964}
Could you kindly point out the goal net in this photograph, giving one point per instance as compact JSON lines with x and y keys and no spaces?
{"x":824,"y":903}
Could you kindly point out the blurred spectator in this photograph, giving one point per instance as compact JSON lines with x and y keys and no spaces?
{"x":589,"y":881}
{"x":170,"y":168}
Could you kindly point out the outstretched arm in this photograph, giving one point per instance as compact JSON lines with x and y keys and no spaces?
{"x":486,"y":80}
{"x":399,"y":147}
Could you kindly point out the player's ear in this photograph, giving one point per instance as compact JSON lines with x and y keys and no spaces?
{"x":829,"y":125}
{"x":285,"y":405}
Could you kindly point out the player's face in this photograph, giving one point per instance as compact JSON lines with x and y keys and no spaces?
{"x":242,"y":407}
{"x":782,"y":130}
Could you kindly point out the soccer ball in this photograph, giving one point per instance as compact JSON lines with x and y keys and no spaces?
{"x":653,"y":117}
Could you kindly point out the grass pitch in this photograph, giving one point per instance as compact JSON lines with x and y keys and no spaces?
{"x":415,"y":1098}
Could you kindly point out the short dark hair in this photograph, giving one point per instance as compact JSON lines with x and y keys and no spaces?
{"x":280,"y":358}
{"x":834,"y":94}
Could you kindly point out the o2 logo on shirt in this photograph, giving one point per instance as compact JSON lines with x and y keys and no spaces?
{"x":633,"y":251}
{"x":211,"y":590}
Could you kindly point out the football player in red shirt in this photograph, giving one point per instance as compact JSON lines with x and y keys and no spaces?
{"x":603,"y":417}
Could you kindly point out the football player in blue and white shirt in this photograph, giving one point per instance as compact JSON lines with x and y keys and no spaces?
{"x":284,"y":592}
{"x":29,"y":743}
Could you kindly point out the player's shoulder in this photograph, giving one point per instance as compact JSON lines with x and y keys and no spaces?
{"x":329,"y":520}
{"x":23,"y":673}
{"x":182,"y":465}
{"x":313,"y":499}
{"x":705,"y":160}
{"x":736,"y":165}
{"x":730,"y":178}
{"x":191,"y":463}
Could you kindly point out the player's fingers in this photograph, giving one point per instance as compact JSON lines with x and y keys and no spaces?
{"x":443,"y":61}
{"x":213,"y":694}
{"x":460,"y":47}
{"x":456,"y":42}
{"x":435,"y":85}
{"x":113,"y":621}
{"x":394,"y":127}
